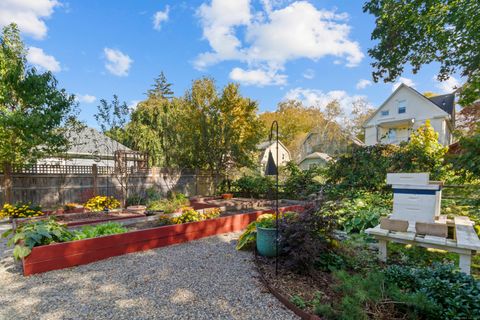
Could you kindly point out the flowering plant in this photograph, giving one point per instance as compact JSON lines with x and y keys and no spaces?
{"x":99,"y":203}
{"x":20,"y":210}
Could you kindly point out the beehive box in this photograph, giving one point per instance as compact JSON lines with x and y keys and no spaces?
{"x":415,"y":198}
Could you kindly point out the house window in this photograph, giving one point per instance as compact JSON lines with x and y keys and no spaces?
{"x":385,"y":113}
{"x":402,"y":108}
{"x":283,"y":156}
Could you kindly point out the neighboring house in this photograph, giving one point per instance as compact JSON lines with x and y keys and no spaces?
{"x":265,"y":147}
{"x":404,"y":111}
{"x":314,"y":159}
{"x":317,"y":148}
{"x":88,"y":147}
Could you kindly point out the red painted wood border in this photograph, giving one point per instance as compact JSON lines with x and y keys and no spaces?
{"x":69,"y":254}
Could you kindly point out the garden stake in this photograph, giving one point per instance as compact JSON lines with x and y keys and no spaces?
{"x":271,"y":170}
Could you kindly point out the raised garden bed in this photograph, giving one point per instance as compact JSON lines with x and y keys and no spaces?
{"x":69,"y":254}
{"x":84,"y":218}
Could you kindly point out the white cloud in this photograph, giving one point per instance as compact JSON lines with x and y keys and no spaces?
{"x":117,"y":63}
{"x":272,"y":36}
{"x":159,"y":17}
{"x":318,"y":98}
{"x":407,"y":81}
{"x":257,"y":77}
{"x":85,"y":98}
{"x":29,"y":15}
{"x":447,"y":86}
{"x":133,"y":104}
{"x":363,"y":83}
{"x":309,"y":74}
{"x":41,"y":60}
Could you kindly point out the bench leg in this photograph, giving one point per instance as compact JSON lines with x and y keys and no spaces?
{"x":382,"y":250}
{"x":465,"y":261}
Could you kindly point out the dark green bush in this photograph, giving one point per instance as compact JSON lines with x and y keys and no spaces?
{"x":253,"y":186}
{"x":456,"y":294}
{"x":299,"y":184}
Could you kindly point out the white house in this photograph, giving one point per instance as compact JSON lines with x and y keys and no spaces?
{"x":404,"y":111}
{"x":266,"y":147}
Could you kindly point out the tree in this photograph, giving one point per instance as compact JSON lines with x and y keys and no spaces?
{"x":418,"y":32}
{"x":112,"y":118}
{"x":34,"y":113}
{"x":295,"y":121}
{"x":423,"y":153}
{"x":154,"y":127}
{"x":220,"y":129}
{"x":361,"y":111}
{"x":468,"y":119}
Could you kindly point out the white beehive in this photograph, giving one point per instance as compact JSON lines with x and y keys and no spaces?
{"x":415,"y":198}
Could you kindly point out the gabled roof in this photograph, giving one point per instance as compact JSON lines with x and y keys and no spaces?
{"x":445,"y":102}
{"x":317,"y":155}
{"x":88,"y":141}
{"x":262,"y":146}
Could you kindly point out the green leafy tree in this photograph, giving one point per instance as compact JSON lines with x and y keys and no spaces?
{"x":155,"y":125}
{"x":469,"y":157}
{"x":419,"y":32}
{"x":33,"y":110}
{"x":423,"y":153}
{"x":221,"y":129}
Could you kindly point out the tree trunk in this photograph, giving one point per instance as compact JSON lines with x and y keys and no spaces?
{"x":7,"y":183}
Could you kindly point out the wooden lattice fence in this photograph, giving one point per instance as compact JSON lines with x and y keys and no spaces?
{"x":51,"y":186}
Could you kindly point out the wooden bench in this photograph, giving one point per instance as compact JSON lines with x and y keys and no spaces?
{"x":465,"y":242}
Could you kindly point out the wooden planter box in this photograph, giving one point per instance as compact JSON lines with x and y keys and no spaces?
{"x":74,"y":253}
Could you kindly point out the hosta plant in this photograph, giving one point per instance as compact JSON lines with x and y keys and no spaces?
{"x":99,"y":203}
{"x":35,"y":234}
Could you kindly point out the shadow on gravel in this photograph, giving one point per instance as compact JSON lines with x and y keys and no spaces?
{"x":205,"y":279}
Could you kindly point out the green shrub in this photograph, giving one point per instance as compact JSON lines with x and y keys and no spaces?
{"x":35,"y":234}
{"x":455,"y":294}
{"x":367,"y":167}
{"x":299,"y":184}
{"x":135,"y":199}
{"x":373,"y":295}
{"x":360,"y":210}
{"x":99,"y":230}
{"x":253,"y":186}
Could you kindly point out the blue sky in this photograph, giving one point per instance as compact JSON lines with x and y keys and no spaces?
{"x":310,"y":50}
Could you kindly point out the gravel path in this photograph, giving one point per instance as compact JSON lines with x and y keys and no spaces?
{"x":204,"y":279}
